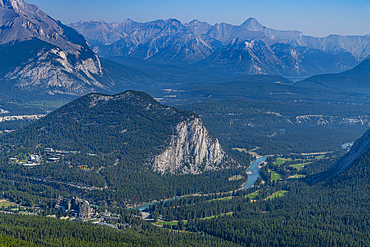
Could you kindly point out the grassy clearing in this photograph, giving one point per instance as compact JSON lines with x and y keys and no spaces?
{"x":251,"y":152}
{"x":222,"y":199}
{"x":279,"y":193}
{"x":236,"y":178}
{"x":253,"y":195}
{"x":274,"y":175}
{"x":174,"y":222}
{"x":300,"y":166}
{"x":171,"y":223}
{"x":215,"y":216}
{"x":281,"y":161}
{"x":241,"y":149}
{"x":4,"y":203}
{"x":321,"y":157}
{"x":296,"y":176}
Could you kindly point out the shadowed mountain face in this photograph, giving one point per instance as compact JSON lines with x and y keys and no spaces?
{"x":42,"y":55}
{"x":357,"y":157}
{"x":355,"y":80}
{"x":274,"y":51}
{"x":256,"y":57}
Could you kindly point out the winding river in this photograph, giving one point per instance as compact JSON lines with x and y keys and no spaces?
{"x":253,"y":173}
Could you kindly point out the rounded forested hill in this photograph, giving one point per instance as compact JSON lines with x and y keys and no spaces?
{"x":131,"y":123}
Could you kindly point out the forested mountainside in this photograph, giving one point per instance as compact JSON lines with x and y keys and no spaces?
{"x":332,"y":212}
{"x":117,"y":145}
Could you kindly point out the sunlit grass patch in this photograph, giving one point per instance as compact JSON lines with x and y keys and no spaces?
{"x":279,"y":193}
{"x":274,"y":175}
{"x":281,"y":161}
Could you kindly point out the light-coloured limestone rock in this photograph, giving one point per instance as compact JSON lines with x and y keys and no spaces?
{"x":192,"y":150}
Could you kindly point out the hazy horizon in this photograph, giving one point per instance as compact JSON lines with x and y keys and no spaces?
{"x":314,"y":18}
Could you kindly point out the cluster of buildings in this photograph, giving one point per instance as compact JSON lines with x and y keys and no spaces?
{"x":50,"y":155}
{"x":54,"y":155}
{"x":76,"y":206}
{"x":31,"y":160}
{"x":23,"y":117}
{"x":82,"y":209}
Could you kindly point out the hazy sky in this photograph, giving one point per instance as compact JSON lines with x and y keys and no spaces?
{"x":312,"y":17}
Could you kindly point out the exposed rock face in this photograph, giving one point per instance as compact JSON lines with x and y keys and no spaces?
{"x":51,"y":72}
{"x":170,"y":41}
{"x":256,"y":57}
{"x":192,"y":150}
{"x":64,"y":63}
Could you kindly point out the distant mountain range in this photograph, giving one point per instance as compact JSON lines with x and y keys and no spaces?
{"x":41,"y":57}
{"x":246,"y":49}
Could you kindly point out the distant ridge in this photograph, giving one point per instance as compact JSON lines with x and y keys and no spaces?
{"x":355,"y":80}
{"x":170,"y":41}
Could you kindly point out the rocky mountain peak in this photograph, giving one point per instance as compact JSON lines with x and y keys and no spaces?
{"x":253,"y":25}
{"x":58,"y":56}
{"x":198,"y":27}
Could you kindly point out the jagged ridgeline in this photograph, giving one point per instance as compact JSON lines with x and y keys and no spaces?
{"x":131,"y":141}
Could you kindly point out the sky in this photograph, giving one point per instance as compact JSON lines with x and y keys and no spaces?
{"x":317,"y":18}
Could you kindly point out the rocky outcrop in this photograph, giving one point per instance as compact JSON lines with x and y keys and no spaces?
{"x":51,"y":72}
{"x":63,"y":64}
{"x":192,"y":150}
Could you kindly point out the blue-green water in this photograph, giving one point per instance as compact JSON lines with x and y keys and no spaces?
{"x":347,"y":145}
{"x":252,"y":178}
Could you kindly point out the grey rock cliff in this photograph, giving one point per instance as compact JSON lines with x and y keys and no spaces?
{"x":65,"y":65}
{"x":192,"y":150}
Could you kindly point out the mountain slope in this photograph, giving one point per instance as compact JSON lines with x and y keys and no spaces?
{"x":123,"y":149}
{"x":161,"y":41}
{"x":355,"y":80}
{"x":357,"y":156}
{"x":357,"y":46}
{"x":135,"y":126}
{"x":256,"y":57}
{"x":273,"y":52}
{"x":42,"y":55}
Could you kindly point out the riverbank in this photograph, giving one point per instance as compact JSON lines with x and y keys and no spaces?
{"x":253,"y":173}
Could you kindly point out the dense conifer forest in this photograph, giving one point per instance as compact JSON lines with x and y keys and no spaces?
{"x":282,"y":209}
{"x":330,"y":213}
